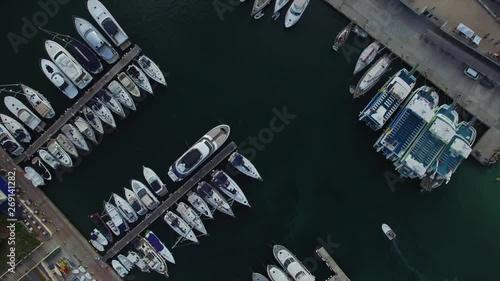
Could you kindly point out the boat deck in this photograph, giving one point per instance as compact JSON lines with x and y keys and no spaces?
{"x":339,"y":274}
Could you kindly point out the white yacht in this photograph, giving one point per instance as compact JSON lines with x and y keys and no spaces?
{"x":107,"y":99}
{"x":229,"y":187}
{"x":276,"y":274}
{"x":122,"y":95}
{"x":9,"y":143}
{"x":199,"y":204}
{"x":42,"y":169}
{"x":125,"y":209}
{"x":151,"y":257}
{"x":126,"y":82}
{"x":119,"y":268}
{"x":32,"y":175}
{"x":115,"y":217}
{"x":258,"y":277}
{"x":67,"y":145}
{"x":138,"y":261}
{"x":49,"y":159}
{"x":214,"y":198}
{"x":75,"y":136}
{"x":258,"y":6}
{"x":38,"y":102}
{"x":139,"y":78}
{"x":93,"y":119}
{"x":102,"y":112}
{"x":151,"y":69}
{"x":291,"y":264}
{"x":16,"y":129}
{"x":68,"y":64}
{"x":180,"y":226}
{"x":95,"y":40}
{"x":144,"y":194}
{"x":295,"y":12}
{"x":159,"y":246}
{"x":96,"y":245}
{"x":199,"y":152}
{"x":372,"y":76}
{"x":244,"y":165}
{"x":278,"y":5}
{"x":191,"y":217}
{"x":24,"y":114}
{"x":388,"y":231}
{"x":154,"y":181}
{"x":55,"y":75}
{"x":135,"y":202}
{"x":125,"y":262}
{"x":58,"y":152}
{"x":366,"y":57}
{"x":99,"y":237}
{"x":85,"y":129}
{"x":107,"y":22}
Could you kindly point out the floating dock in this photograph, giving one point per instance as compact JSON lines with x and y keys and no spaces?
{"x":167,"y":204}
{"x":339,"y":274}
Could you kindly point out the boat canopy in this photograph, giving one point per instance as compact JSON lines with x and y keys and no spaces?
{"x":443,"y":130}
{"x":221,"y":179}
{"x":94,"y":39}
{"x":238,"y":160}
{"x":110,"y":26}
{"x":460,"y":147}
{"x":420,"y":107}
{"x":190,"y":159}
{"x":155,"y":185}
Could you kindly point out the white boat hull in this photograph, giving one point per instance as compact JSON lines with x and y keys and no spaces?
{"x":144,"y":194}
{"x":75,"y":136}
{"x":128,"y":84}
{"x":55,"y":75}
{"x":199,"y":204}
{"x":95,"y":40}
{"x":38,"y":102}
{"x":189,"y":216}
{"x":183,"y":229}
{"x":151,"y":69}
{"x":154,"y":181}
{"x":139,"y":78}
{"x":133,"y":200}
{"x":49,"y":159}
{"x":103,"y":17}
{"x":122,"y":95}
{"x":15,"y":128}
{"x":23,"y":113}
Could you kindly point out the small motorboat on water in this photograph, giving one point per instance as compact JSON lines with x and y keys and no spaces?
{"x":85,"y":129}
{"x":278,"y":5}
{"x":295,"y":12}
{"x":135,"y":202}
{"x":151,"y":69}
{"x":32,"y":175}
{"x":115,"y":216}
{"x":371,"y":77}
{"x":199,"y":204}
{"x":42,"y":169}
{"x":102,"y":112}
{"x":159,"y":246}
{"x":95,"y":40}
{"x":55,"y":75}
{"x":102,"y":227}
{"x":258,"y":6}
{"x":259,"y":277}
{"x":98,"y":246}
{"x":388,"y":231}
{"x":38,"y":102}
{"x":15,"y":128}
{"x":24,"y":114}
{"x":122,"y":95}
{"x":138,"y":261}
{"x":191,"y":217}
{"x":107,"y":22}
{"x":75,"y":136}
{"x":199,"y":152}
{"x":359,"y":31}
{"x":49,"y":159}
{"x":342,"y":37}
{"x":277,"y":274}
{"x":154,"y":181}
{"x":119,"y":268}
{"x":128,"y":84}
{"x":125,"y":262}
{"x":367,"y":56}
{"x":244,"y":165}
{"x":139,"y":78}
{"x":150,"y":256}
{"x":180,"y":226}
{"x":126,"y":211}
{"x":67,"y":145}
{"x":58,"y":152}
{"x":229,"y":187}
{"x":107,"y":99}
{"x":9,"y":142}
{"x":93,"y":119}
{"x":99,"y":237}
{"x":144,"y":194}
{"x":214,"y":198}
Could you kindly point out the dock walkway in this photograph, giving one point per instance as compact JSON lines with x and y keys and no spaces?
{"x":165,"y":205}
{"x":75,"y":108}
{"x":339,"y":274}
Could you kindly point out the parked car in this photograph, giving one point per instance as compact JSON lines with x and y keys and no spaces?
{"x":487,"y":83}
{"x":471,"y":73}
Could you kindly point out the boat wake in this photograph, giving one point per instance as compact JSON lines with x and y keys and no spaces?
{"x":405,"y":261}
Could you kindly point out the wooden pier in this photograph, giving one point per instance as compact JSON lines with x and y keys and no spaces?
{"x":174,"y":197}
{"x":339,"y":274}
{"x":75,"y":108}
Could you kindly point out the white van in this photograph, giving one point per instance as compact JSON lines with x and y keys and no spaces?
{"x":471,"y":73}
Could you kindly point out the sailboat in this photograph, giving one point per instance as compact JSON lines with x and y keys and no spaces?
{"x":342,"y":36}
{"x":199,"y":204}
{"x":122,"y":95}
{"x":139,"y":78}
{"x":372,"y":76}
{"x":151,"y":69}
{"x":92,"y":119}
{"x":244,"y":165}
{"x":214,"y":198}
{"x":154,"y":181}
{"x":126,"y":82}
{"x":180,"y":226}
{"x":229,"y":187}
{"x":107,"y":99}
{"x":85,"y":129}
{"x":366,"y":57}
{"x":190,"y":216}
{"x":102,"y":112}
{"x":67,"y":145}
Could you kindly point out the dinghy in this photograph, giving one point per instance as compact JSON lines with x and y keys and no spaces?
{"x":107,"y":99}
{"x":19,"y":110}
{"x":126,"y":82}
{"x":117,"y":90}
{"x":49,"y":159}
{"x":58,"y":152}
{"x":43,"y":170}
{"x":67,"y":145}
{"x":371,"y":77}
{"x":107,"y":22}
{"x":199,"y":204}
{"x":55,"y":75}
{"x":342,"y":36}
{"x":366,"y":57}
{"x":102,"y":112}
{"x":93,"y":119}
{"x":38,"y":102}
{"x":139,"y":78}
{"x":154,"y":181}
{"x":75,"y":136}
{"x":85,"y":129}
{"x":95,"y":40}
{"x":15,"y":128}
{"x":244,"y":165}
{"x":151,"y":69}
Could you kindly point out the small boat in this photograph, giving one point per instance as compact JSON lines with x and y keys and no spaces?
{"x":258,"y":6}
{"x":151,"y":69}
{"x":138,"y":261}
{"x":49,"y":159}
{"x":126,"y":211}
{"x":366,"y":57}
{"x":214,"y":198}
{"x":159,"y":246}
{"x":68,"y":64}
{"x":276,"y":274}
{"x":199,"y":152}
{"x":42,"y":169}
{"x":93,"y":119}
{"x":122,"y":95}
{"x":144,"y":194}
{"x":154,"y":181}
{"x":24,"y":114}
{"x":191,"y":217}
{"x":139,"y":78}
{"x":75,"y":136}
{"x":199,"y":204}
{"x":67,"y":145}
{"x":291,"y":264}
{"x":229,"y":187}
{"x":180,"y":226}
{"x":278,"y":5}
{"x":85,"y":129}
{"x":126,"y":82}
{"x":259,"y":277}
{"x":107,"y":22}
{"x":372,"y":76}
{"x":359,"y":31}
{"x":244,"y":165}
{"x":114,"y":215}
{"x":125,"y":262}
{"x":99,"y":237}
{"x":55,"y":75}
{"x":342,"y":37}
{"x":102,"y":112}
{"x":135,"y":202}
{"x":112,"y":226}
{"x":102,"y":227}
{"x":388,"y":232}
{"x":15,"y":128}
{"x":9,"y":142}
{"x":38,"y":102}
{"x":151,"y":257}
{"x":96,"y":245}
{"x":95,"y":40}
{"x":32,"y":175}
{"x":107,"y":99}
{"x":295,"y":12}
{"x":58,"y":152}
{"x":119,"y":268}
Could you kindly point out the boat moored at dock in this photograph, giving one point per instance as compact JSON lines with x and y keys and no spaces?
{"x":101,"y":226}
{"x":190,"y":216}
{"x":159,"y":246}
{"x":110,"y":102}
{"x":144,"y":194}
{"x":24,"y":114}
{"x":214,"y":198}
{"x":125,"y":262}
{"x":366,"y":57}
{"x":180,"y":226}
{"x":95,"y":40}
{"x":278,"y":5}
{"x":151,"y":257}
{"x":258,"y":6}
{"x":58,"y":152}
{"x":140,"y":79}
{"x":75,"y":136}
{"x":32,"y":175}
{"x":295,"y":12}
{"x":38,"y":102}
{"x":199,"y":204}
{"x":99,"y":237}
{"x":107,"y":22}
{"x":93,"y":119}
{"x":67,"y":145}
{"x":102,"y":111}
{"x":119,"y":268}
{"x":291,"y":264}
{"x":229,"y":187}
{"x":122,"y":95}
{"x":56,"y":76}
{"x":342,"y":37}
{"x":138,"y":261}
{"x":98,"y":246}
{"x":372,"y":76}
{"x":42,"y":169}
{"x":49,"y":159}
{"x":244,"y":165}
{"x":114,"y":215}
{"x":15,"y":128}
{"x":276,"y":274}
{"x":9,"y":142}
{"x":258,"y":277}
{"x":151,"y":69}
{"x":124,"y":208}
{"x":135,"y":202}
{"x":126,"y":82}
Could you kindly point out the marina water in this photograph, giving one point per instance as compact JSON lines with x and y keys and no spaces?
{"x":285,"y":95}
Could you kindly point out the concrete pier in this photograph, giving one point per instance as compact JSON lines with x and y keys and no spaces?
{"x":174,"y":197}
{"x":75,"y":108}
{"x":339,"y":274}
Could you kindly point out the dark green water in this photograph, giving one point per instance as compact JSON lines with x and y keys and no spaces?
{"x":323,"y":179}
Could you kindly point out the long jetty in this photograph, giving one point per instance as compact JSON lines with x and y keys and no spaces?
{"x":165,"y":205}
{"x":339,"y":274}
{"x":71,"y":111}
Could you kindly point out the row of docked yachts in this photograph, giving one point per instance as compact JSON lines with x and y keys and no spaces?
{"x":292,"y":268}
{"x":294,"y":12}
